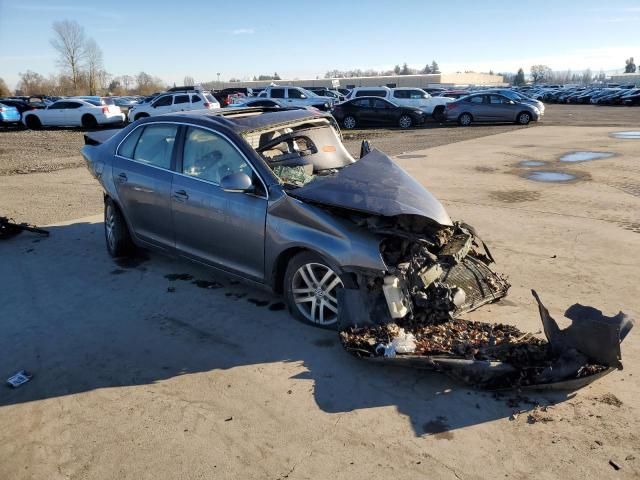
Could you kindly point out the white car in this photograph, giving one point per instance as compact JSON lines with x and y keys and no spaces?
{"x":73,"y":112}
{"x":297,"y":97}
{"x":176,"y":101}
{"x":406,"y":97}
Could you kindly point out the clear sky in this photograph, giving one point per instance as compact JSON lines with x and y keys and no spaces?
{"x":300,"y":39}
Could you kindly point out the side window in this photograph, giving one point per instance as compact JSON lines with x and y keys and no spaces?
{"x":363,"y":103}
{"x":417,"y":94}
{"x":295,"y":93}
{"x":497,"y":100}
{"x":128,"y":146}
{"x":401,"y":94}
{"x":277,"y":93}
{"x":58,"y":106}
{"x":164,"y":101}
{"x":181,"y":99}
{"x":377,"y":103}
{"x":156,"y":145}
{"x":195,"y":99}
{"x":71,"y":105}
{"x":476,"y":99}
{"x":211,"y":157}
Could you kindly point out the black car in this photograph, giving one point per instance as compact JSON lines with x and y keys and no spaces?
{"x":376,"y":111}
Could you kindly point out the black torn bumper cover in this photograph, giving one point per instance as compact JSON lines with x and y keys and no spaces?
{"x":583,"y":352}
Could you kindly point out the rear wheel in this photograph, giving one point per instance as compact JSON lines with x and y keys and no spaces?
{"x":405,"y":121}
{"x":349,"y":122}
{"x":465,"y":119}
{"x":523,"y":118}
{"x":89,"y":121}
{"x":310,"y":289}
{"x":116,"y":233}
{"x":33,"y":122}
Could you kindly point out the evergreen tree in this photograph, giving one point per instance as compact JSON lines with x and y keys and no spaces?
{"x":434,"y":67}
{"x":519,"y":80}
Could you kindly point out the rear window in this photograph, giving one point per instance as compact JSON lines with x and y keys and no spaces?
{"x":195,"y":99}
{"x":156,"y":145}
{"x":209,"y":98}
{"x":277,"y":93}
{"x":181,"y":99}
{"x":401,"y":94}
{"x":371,"y":93}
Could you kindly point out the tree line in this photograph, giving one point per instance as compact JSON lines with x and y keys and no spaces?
{"x":397,"y":70}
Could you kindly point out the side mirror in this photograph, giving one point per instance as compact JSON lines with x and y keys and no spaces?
{"x":364,"y":148}
{"x":237,"y":182}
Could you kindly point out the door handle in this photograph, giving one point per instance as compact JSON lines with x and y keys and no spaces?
{"x":122,"y":177}
{"x":181,"y":195}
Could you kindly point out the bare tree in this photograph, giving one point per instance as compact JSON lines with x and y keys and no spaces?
{"x":69,"y":41}
{"x":93,"y":55}
{"x":4,"y":90}
{"x":540,"y":73}
{"x":188,"y":81}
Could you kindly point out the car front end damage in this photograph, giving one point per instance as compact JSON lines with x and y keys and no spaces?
{"x":410,"y":316}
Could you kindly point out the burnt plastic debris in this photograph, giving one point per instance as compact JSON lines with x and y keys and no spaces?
{"x":9,"y":228}
{"x":496,"y":356}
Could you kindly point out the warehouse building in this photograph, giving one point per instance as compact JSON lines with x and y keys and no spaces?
{"x":446,"y":80}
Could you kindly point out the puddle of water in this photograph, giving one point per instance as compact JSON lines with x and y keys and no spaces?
{"x":585,"y":156}
{"x":531,"y":163}
{"x":550,"y":176}
{"x":627,"y":135}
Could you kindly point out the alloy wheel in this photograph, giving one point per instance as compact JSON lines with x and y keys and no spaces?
{"x":405,"y":121}
{"x":110,"y":227}
{"x":349,"y":123}
{"x":314,"y":289}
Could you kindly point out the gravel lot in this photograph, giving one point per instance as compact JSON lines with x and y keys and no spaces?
{"x":43,"y":180}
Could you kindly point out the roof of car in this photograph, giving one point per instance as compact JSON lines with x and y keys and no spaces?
{"x":247,"y":119}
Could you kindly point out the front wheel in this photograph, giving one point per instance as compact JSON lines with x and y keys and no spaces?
{"x":349,"y":122}
{"x":405,"y":121}
{"x":310,"y":289}
{"x":524,"y":118}
{"x":116,"y":233}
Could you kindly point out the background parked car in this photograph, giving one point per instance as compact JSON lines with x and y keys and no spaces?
{"x":376,"y":111}
{"x":20,"y":105}
{"x":74,"y":112}
{"x":297,"y":97}
{"x":484,"y":107}
{"x":9,"y":115}
{"x":406,"y":97}
{"x":174,"y":101}
{"x":226,"y":95}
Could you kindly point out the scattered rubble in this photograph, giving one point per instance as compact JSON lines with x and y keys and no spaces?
{"x":19,"y":378}
{"x":610,"y":399}
{"x":9,"y":228}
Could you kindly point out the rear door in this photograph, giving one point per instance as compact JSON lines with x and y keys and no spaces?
{"x":384,"y":112}
{"x":72,"y":114}
{"x":364,"y":110}
{"x":479,"y":108}
{"x":224,"y":229}
{"x":142,"y":175}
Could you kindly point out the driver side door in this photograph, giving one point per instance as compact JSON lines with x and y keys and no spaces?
{"x":221,"y":228}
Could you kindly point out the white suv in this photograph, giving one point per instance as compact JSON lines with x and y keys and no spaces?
{"x":174,"y":101}
{"x":406,"y":97}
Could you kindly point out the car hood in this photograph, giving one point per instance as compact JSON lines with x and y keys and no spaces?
{"x":375,"y":184}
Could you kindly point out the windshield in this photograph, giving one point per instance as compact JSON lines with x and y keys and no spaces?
{"x":297,"y":153}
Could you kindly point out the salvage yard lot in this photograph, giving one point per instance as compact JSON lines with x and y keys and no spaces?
{"x":141,"y":376}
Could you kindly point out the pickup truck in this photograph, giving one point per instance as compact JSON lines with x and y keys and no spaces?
{"x":407,"y":97}
{"x":297,"y":97}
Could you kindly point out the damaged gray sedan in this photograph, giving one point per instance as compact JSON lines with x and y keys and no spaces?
{"x":274,"y":197}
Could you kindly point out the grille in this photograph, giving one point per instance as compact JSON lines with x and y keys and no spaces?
{"x":480,"y":284}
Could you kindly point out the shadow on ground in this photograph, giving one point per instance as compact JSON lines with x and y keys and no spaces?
{"x":80,"y":321}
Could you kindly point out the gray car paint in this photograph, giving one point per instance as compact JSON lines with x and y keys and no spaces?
{"x":254,"y":237}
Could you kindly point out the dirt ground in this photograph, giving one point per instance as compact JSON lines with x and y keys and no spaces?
{"x":138,"y":376}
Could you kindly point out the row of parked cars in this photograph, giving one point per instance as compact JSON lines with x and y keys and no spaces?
{"x":611,"y":94}
{"x":404,"y":107}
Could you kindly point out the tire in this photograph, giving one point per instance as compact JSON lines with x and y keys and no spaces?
{"x":139,"y":116}
{"x":310,"y":286}
{"x":405,"y":121}
{"x":465,"y":120}
{"x":116,"y":232}
{"x":349,"y":122}
{"x":438,"y":114}
{"x":523,"y":118}
{"x":33,"y":122}
{"x":89,"y":121}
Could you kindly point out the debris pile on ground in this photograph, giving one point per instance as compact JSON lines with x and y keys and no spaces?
{"x":9,"y":228}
